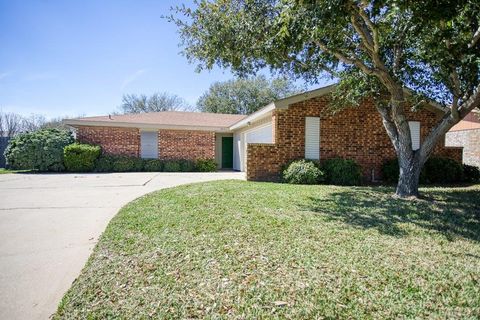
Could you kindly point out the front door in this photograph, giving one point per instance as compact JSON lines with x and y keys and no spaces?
{"x":227,"y":152}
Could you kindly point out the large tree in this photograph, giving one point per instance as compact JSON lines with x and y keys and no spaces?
{"x":132,"y":103}
{"x":374,"y":48}
{"x":244,"y":95}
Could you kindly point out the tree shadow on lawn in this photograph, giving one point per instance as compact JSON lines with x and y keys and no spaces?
{"x":453,"y":213}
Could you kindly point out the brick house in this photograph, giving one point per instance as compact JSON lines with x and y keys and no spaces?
{"x":466,"y":134}
{"x":300,"y":126}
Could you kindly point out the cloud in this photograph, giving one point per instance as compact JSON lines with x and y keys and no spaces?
{"x":132,"y":77}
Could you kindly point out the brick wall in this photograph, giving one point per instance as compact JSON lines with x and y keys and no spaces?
{"x":179,"y":144}
{"x":113,"y":140}
{"x":353,"y":133}
{"x":470,"y":140}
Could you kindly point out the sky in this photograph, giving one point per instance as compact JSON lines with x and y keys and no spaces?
{"x":71,"y":58}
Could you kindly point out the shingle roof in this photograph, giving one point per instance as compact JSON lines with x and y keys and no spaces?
{"x":166,"y":118}
{"x":470,"y":122}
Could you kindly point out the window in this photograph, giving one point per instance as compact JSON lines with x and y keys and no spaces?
{"x":312,"y":138}
{"x":415,"y":133}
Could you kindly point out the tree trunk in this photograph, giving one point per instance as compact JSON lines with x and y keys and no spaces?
{"x":410,"y":168}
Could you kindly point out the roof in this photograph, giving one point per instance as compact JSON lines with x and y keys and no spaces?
{"x":470,"y":122}
{"x":165,"y":119}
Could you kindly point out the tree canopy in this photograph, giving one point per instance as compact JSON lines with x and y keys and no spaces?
{"x":374,"y":48}
{"x":163,"y":101}
{"x":244,"y":95}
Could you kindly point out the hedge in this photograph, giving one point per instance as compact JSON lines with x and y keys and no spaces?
{"x":80,"y":157}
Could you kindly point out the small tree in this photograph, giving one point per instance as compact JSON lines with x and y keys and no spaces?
{"x":132,"y":103}
{"x":40,"y":150}
{"x":244,"y":96}
{"x":376,"y":49}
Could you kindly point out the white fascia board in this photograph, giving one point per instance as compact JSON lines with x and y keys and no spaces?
{"x":76,"y":122}
{"x":257,"y":115}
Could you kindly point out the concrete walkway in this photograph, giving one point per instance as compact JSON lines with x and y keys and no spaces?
{"x":49,"y":224}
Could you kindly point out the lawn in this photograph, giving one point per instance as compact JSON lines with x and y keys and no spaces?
{"x":5,"y":171}
{"x":236,"y":249}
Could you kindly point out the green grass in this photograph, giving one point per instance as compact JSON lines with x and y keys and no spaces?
{"x":244,"y":250}
{"x":5,"y":171}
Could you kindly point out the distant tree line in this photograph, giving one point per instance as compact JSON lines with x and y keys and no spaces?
{"x":12,"y":123}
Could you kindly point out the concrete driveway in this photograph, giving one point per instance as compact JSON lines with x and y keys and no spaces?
{"x":49,"y":224}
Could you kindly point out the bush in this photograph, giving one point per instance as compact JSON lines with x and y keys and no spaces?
{"x":186,"y":165}
{"x":80,"y":157}
{"x":104,"y":163}
{"x":206,"y":165}
{"x":153,"y":165}
{"x":344,"y":172}
{"x":171,"y":166}
{"x":127,"y":164}
{"x":471,"y":173}
{"x":443,"y":170}
{"x":435,"y":170}
{"x":40,"y":150}
{"x":303,"y":172}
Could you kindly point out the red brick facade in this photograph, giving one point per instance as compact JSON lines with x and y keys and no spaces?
{"x":113,"y":140}
{"x":172,"y":144}
{"x":191,"y":145}
{"x":353,"y":133}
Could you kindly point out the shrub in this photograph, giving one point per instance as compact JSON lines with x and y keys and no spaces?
{"x":127,"y":164}
{"x":186,"y":165}
{"x":303,"y":172}
{"x":153,"y":165}
{"x":206,"y":165}
{"x":104,"y":163}
{"x":344,"y":172}
{"x":41,"y":150}
{"x":171,"y":166}
{"x":80,"y":157}
{"x":443,"y":170}
{"x":471,"y":173}
{"x":435,"y":170}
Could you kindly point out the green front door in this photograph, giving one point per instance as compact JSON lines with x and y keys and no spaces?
{"x":227,"y":152}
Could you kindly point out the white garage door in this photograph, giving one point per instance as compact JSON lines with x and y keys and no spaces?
{"x":149,"y":144}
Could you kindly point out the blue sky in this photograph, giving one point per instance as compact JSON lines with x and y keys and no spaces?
{"x":61,"y":58}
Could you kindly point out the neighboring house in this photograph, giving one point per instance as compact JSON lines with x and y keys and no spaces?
{"x":296,"y":127}
{"x":466,"y":134}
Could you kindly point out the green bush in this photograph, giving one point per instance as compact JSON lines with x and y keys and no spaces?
{"x":303,"y":172}
{"x":471,"y":173}
{"x":186,"y":165}
{"x":435,"y":170}
{"x":344,"y":172}
{"x":80,"y":157}
{"x":206,"y":165}
{"x":104,"y":163}
{"x":127,"y":164}
{"x":153,"y":165}
{"x":40,"y":150}
{"x":171,"y":166}
{"x":443,"y":170}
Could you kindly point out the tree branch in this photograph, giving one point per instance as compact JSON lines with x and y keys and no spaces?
{"x":475,"y":39}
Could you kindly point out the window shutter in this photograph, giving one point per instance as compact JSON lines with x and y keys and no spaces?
{"x":312,"y":138}
{"x":415,"y":133}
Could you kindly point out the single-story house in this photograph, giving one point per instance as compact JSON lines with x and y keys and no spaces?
{"x":300,"y":126}
{"x":466,"y":134}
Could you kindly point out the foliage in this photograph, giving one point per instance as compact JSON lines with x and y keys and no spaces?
{"x":186,"y":165}
{"x":284,"y":251}
{"x":344,"y":172}
{"x":171,"y":166}
{"x":80,"y":157}
{"x":132,"y":103}
{"x":443,"y":170}
{"x":206,"y":165}
{"x":40,"y":150}
{"x":127,"y":164}
{"x":303,"y":172}
{"x":244,"y":95}
{"x":471,"y":173}
{"x":104,"y":163}
{"x":154,"y":165}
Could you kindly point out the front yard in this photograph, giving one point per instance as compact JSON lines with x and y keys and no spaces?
{"x":235,"y":249}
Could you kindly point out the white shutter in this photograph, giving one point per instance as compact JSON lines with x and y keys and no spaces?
{"x":415,"y":133}
{"x":312,"y":138}
{"x":149,"y":144}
